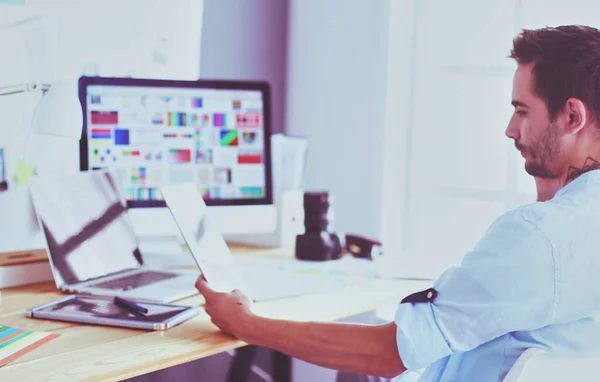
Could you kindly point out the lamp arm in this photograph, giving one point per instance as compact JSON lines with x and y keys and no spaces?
{"x":23,"y":88}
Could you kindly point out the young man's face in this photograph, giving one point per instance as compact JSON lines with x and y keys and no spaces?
{"x":535,"y":135}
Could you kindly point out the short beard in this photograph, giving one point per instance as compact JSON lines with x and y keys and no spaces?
{"x":542,"y":152}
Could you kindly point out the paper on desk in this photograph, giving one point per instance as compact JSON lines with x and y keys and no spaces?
{"x":15,"y":342}
{"x":347,"y":267}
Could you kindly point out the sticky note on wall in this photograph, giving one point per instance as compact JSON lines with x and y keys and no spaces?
{"x":23,"y":172}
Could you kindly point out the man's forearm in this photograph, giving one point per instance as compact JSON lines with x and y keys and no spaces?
{"x":348,"y":347}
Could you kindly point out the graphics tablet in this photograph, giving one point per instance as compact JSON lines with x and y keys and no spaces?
{"x":101,"y":310}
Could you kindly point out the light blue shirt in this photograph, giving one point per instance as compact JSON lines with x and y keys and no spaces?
{"x":532,"y":281}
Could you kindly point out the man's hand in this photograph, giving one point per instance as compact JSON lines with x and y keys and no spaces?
{"x":229,"y":311}
{"x":546,"y":188}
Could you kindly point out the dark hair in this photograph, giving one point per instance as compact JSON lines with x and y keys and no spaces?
{"x":566,"y":64}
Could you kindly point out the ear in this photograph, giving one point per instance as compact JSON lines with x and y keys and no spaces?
{"x":576,"y":115}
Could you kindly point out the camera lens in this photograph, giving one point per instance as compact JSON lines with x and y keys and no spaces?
{"x":318,"y":223}
{"x":319,"y":242}
{"x":318,"y":214}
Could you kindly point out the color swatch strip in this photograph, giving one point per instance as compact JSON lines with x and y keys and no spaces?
{"x":15,"y":342}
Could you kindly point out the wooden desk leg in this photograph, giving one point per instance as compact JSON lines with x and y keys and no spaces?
{"x":239,"y":370}
{"x":281,"y":367}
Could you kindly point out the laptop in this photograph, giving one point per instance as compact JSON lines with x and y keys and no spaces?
{"x":213,"y":257}
{"x":91,"y":243}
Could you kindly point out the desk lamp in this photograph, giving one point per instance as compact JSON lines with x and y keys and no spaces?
{"x":57,"y":113}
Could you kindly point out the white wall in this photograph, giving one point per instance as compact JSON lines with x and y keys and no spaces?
{"x":459,"y":172}
{"x":460,"y":169}
{"x":336,"y":98}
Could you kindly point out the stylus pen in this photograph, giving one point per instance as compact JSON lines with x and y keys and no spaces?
{"x":130,"y":305}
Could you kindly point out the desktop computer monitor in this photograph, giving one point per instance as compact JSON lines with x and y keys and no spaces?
{"x":154,"y":132}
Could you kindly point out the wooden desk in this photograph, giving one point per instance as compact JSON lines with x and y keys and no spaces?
{"x":92,"y":353}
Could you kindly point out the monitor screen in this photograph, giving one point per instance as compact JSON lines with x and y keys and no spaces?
{"x":158,"y":132}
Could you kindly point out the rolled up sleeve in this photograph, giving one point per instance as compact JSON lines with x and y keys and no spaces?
{"x":507,"y":283}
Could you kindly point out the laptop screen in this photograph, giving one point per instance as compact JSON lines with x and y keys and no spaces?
{"x":84,"y":220}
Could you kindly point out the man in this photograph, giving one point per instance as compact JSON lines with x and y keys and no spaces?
{"x":531,"y":281}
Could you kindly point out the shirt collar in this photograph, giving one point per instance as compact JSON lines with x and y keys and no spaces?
{"x":585,"y":178}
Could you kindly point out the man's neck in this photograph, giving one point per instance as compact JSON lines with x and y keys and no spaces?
{"x":580,"y":166}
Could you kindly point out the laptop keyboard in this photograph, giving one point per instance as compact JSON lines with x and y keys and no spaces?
{"x":134,"y":281}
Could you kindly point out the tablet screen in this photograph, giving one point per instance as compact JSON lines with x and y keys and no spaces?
{"x":100,"y":307}
{"x":203,"y":238}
